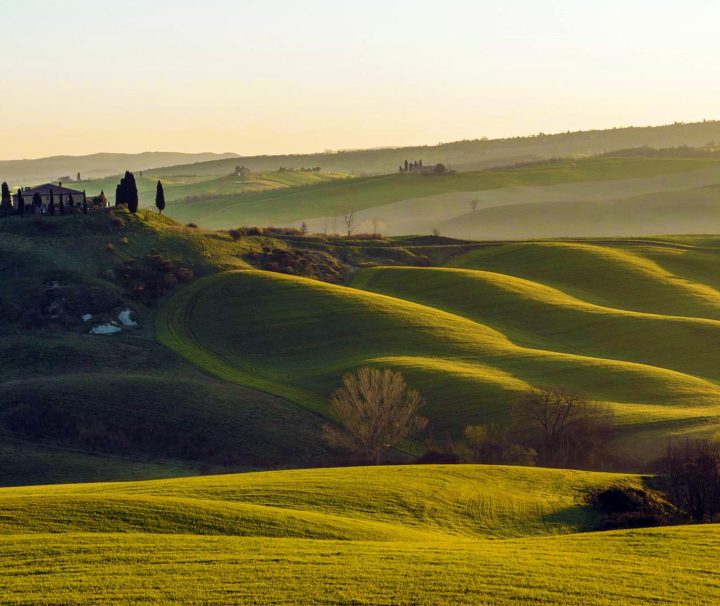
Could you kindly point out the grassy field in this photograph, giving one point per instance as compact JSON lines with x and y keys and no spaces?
{"x":631,"y":323}
{"x":407,"y":204}
{"x":186,"y":188}
{"x":77,"y":406}
{"x":388,"y":535}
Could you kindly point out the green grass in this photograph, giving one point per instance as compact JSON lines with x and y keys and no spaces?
{"x":294,"y":337}
{"x":388,"y":535}
{"x":330,"y":199}
{"x":178,"y":188}
{"x":82,"y":407}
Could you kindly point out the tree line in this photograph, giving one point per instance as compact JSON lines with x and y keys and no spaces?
{"x":375,"y":411}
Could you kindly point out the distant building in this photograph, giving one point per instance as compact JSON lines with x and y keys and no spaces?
{"x":417,"y":168}
{"x":28,"y":193}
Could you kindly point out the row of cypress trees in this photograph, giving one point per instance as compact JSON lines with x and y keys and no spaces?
{"x":127,"y":193}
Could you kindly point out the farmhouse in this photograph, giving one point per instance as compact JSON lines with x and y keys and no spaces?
{"x":69,"y":196}
{"x":417,"y":168}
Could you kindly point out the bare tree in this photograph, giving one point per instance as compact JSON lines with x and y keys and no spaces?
{"x":377,"y":226}
{"x":376,"y":411}
{"x":567,"y":428}
{"x":692,"y":470}
{"x":304,"y":228}
{"x":349,"y":218}
{"x":474,"y":204}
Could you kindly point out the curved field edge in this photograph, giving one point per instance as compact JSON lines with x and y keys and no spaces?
{"x":172,"y":329}
{"x":294,"y":337}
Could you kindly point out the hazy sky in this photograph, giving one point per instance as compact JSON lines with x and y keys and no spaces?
{"x":276,"y":76}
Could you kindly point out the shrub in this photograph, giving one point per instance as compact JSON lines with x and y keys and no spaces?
{"x":116,"y":221}
{"x":235,"y":234}
{"x":151,"y":277}
{"x":491,"y":445}
{"x":692,"y":473}
{"x":191,"y":225}
{"x":624,"y":506}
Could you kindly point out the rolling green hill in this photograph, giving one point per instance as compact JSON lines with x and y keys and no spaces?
{"x":234,"y":369}
{"x":610,"y":320}
{"x":592,"y":196}
{"x":77,"y":406}
{"x":388,"y":535}
{"x":193,"y":190}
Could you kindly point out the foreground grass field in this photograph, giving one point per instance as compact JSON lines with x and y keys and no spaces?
{"x":387,"y":535}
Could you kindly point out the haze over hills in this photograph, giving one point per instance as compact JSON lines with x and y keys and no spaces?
{"x":472,"y":154}
{"x":620,"y":194}
{"x":31,"y":172}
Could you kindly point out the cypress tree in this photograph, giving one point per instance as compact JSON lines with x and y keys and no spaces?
{"x":160,"y":198}
{"x":120,"y":193}
{"x":61,"y":203}
{"x":36,"y":202}
{"x":133,"y":199}
{"x":21,"y":203}
{"x":85,"y":208}
{"x":51,"y":204}
{"x":6,"y":203}
{"x":71,"y":203}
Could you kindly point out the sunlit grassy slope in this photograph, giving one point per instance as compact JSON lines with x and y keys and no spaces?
{"x":473,"y":341}
{"x":392,"y":535}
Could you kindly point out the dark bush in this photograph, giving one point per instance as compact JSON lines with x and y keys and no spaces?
{"x":692,"y":474}
{"x":152,"y":276}
{"x":630,"y":507}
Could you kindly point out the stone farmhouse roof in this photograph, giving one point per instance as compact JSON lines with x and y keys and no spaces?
{"x":44,"y":190}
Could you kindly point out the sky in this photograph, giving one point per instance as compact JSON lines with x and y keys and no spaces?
{"x":282,"y":76}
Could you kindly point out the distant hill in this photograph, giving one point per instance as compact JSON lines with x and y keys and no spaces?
{"x":28,"y":172}
{"x":470,"y":154}
{"x":631,"y":195}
